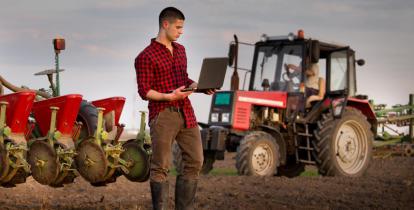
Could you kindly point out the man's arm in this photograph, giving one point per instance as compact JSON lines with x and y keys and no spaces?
{"x":174,"y":96}
{"x":292,"y":66}
{"x":320,"y":96}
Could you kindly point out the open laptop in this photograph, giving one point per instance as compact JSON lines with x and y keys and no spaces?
{"x":213,"y":71}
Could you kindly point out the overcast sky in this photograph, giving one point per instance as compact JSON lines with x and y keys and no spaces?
{"x":103,"y":37}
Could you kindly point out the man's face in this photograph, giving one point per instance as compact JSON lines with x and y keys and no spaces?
{"x":173,"y":29}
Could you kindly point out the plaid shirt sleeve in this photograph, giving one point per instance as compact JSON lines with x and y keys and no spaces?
{"x":145,"y":74}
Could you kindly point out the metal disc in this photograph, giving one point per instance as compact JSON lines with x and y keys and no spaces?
{"x":91,"y":161}
{"x":4,"y":163}
{"x":43,"y":162}
{"x":138,"y":160}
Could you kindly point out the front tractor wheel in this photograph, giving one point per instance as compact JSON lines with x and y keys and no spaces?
{"x":343,"y":147}
{"x":257,"y":155}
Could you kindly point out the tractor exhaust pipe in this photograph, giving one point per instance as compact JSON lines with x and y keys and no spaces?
{"x":233,"y":53}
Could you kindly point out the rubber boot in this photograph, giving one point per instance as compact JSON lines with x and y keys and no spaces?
{"x":185,"y":191}
{"x":159,"y":194}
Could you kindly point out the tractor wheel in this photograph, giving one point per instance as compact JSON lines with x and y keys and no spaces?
{"x":258,"y":155}
{"x":408,"y":150}
{"x":291,"y":168}
{"x":343,"y":147}
{"x":88,"y":115}
{"x":209,"y":159}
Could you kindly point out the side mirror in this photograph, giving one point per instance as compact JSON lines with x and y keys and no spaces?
{"x":315,"y":51}
{"x":232,"y":53}
{"x":360,"y":62}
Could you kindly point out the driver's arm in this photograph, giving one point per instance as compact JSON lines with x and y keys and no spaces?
{"x":292,"y":66}
{"x":320,"y":96}
{"x":322,"y":88}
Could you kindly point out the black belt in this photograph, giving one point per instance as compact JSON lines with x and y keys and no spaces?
{"x":175,"y":109}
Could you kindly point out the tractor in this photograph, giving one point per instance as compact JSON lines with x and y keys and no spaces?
{"x":269,"y":125}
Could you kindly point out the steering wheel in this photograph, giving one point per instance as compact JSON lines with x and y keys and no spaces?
{"x":292,"y":78}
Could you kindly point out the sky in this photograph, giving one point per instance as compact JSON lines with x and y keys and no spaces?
{"x":103,"y":37}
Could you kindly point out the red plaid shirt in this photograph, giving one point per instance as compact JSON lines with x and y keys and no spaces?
{"x":159,"y":70}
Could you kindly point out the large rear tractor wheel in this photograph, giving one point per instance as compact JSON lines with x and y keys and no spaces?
{"x":257,"y":155}
{"x":209,"y":159}
{"x":343,"y":147}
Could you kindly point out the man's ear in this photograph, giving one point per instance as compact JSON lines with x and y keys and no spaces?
{"x":165,"y":24}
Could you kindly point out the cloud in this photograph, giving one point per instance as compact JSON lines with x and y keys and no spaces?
{"x":98,"y":50}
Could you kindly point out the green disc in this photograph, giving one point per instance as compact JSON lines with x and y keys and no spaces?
{"x":138,"y":162}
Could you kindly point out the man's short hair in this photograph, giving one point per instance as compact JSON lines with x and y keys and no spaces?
{"x":171,"y":14}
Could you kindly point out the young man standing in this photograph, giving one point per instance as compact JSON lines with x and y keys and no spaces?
{"x":161,"y":70}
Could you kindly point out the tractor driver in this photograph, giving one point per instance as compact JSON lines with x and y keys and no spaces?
{"x":314,"y":85}
{"x":161,"y":70}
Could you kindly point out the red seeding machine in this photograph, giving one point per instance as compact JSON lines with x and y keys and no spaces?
{"x":56,"y":138}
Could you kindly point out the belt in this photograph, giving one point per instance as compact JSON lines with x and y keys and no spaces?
{"x":175,"y":109}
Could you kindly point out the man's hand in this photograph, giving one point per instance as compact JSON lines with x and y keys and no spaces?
{"x":177,"y":94}
{"x":210,"y":91}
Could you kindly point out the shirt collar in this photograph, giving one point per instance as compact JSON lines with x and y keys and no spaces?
{"x":154,"y":42}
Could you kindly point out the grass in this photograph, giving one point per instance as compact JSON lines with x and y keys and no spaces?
{"x":309,"y":173}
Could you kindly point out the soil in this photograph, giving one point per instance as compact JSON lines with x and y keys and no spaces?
{"x":389,"y":183}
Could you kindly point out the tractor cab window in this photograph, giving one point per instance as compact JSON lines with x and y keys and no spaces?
{"x":338,"y":70}
{"x":270,"y":71}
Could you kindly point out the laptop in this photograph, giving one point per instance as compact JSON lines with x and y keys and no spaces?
{"x":213,"y":71}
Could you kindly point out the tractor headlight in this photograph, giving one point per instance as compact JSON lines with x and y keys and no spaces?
{"x":214,"y":117}
{"x":264,"y":38}
{"x":225,"y":117}
{"x":291,"y":36}
{"x":338,"y":110}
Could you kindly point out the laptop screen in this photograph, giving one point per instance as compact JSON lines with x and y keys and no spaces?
{"x":212,"y":73}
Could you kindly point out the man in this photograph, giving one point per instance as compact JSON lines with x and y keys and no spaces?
{"x":161,"y":70}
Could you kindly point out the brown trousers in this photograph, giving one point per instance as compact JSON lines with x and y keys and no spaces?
{"x":166,"y":127}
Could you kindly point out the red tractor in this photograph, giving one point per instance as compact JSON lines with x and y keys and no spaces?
{"x":272,"y":130}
